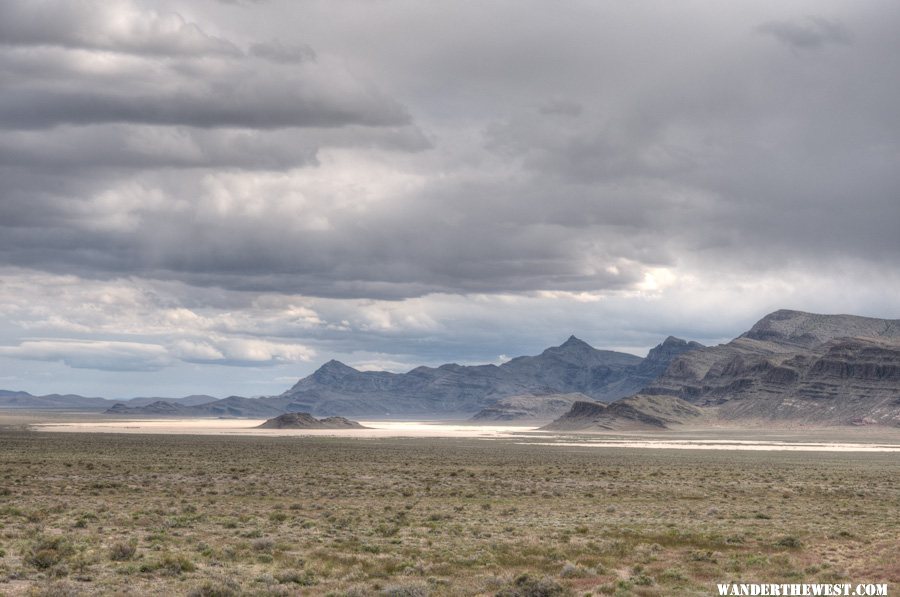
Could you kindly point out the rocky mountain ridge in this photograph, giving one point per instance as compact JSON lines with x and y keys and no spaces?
{"x":11,"y":399}
{"x":572,"y":367}
{"x":797,"y":366}
{"x":451,"y":390}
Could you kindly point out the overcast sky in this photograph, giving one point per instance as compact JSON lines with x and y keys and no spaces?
{"x":218,"y":196}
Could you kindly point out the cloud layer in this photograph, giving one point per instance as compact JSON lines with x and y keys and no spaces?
{"x":403,"y":175}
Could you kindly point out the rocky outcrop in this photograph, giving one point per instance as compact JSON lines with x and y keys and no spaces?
{"x":634,"y":412}
{"x":307,"y":421}
{"x":160,"y":408}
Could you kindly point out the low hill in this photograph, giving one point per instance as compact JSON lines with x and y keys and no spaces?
{"x":307,"y":421}
{"x":634,"y":412}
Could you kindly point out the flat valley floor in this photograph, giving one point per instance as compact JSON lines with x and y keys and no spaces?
{"x":142,"y":514}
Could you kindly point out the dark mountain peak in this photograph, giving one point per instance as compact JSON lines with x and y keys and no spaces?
{"x":671,"y":347}
{"x":335,"y":365}
{"x":574,"y":343}
{"x":661,"y":356}
{"x":333,"y":370}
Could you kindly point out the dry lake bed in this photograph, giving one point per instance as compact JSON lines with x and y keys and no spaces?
{"x":408,"y":509}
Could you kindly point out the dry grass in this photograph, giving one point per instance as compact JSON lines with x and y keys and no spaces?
{"x":214,"y":515}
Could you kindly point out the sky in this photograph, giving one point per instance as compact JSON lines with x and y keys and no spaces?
{"x":219,"y":196}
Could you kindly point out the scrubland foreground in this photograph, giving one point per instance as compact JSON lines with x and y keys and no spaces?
{"x":154,"y":515}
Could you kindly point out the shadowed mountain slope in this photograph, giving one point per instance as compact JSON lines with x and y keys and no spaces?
{"x":634,"y":412}
{"x":572,"y":367}
{"x":791,"y":365}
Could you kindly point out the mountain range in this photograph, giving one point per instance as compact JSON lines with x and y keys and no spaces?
{"x":450,"y":390}
{"x":13,"y":399}
{"x":790,"y":366}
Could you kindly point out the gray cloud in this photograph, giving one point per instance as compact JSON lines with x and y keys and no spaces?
{"x":809,"y":33}
{"x":278,"y":51}
{"x":93,"y":354}
{"x":606,"y":162}
{"x":197,"y":92}
{"x":116,"y":25}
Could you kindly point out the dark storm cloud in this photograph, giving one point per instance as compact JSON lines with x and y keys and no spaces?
{"x":808,"y":33}
{"x":142,"y":147}
{"x":191,"y":92}
{"x":570,"y":153}
{"x":139,"y":147}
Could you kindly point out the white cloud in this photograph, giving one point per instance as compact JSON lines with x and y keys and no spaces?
{"x":93,"y":354}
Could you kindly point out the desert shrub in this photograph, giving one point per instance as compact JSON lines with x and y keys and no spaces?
{"x":570,"y":570}
{"x":170,"y":563}
{"x":47,"y":552}
{"x":304,"y":578}
{"x":789,"y":542}
{"x":226,"y":588}
{"x":527,"y":586}
{"x":702,"y":556}
{"x":122,"y":551}
{"x":264,"y":544}
{"x":641,"y":580}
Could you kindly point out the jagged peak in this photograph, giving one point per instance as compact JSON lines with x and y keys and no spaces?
{"x":575,"y":343}
{"x":335,"y":366}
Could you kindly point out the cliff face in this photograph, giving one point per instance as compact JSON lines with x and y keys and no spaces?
{"x":836,"y":369}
